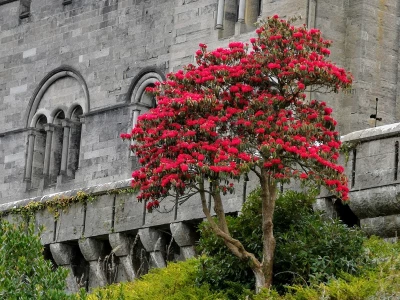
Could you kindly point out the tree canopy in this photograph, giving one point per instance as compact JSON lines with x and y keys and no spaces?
{"x":243,"y":109}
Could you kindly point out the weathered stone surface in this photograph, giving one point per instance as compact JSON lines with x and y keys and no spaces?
{"x":151,"y":239}
{"x":182,"y":234}
{"x":99,"y":216}
{"x":91,"y":249}
{"x":72,"y":285}
{"x":101,"y":48}
{"x":188,"y":252}
{"x":162,"y":215}
{"x":381,"y":201}
{"x":157,"y":260}
{"x":70,"y":224}
{"x":97,"y":275}
{"x":127,"y":265}
{"x":120,"y":243}
{"x":325,"y":205}
{"x":128,"y":213}
{"x":46,"y":220}
{"x":62,"y":253}
{"x":385,"y":226}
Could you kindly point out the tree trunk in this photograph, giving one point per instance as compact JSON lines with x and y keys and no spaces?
{"x":235,"y":246}
{"x":268,"y":198}
{"x":260,"y":279}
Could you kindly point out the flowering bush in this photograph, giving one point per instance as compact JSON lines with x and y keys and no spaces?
{"x":241,"y":109}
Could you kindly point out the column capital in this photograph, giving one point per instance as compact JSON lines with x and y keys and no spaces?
{"x":33,"y":131}
{"x":49,"y":127}
{"x":69,"y":123}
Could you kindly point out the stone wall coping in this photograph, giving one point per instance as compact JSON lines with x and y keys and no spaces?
{"x":375,"y":133}
{"x":93,"y":190}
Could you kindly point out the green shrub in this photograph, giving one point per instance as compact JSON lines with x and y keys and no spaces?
{"x":309,"y":249}
{"x":379,"y":281}
{"x":175,"y":282}
{"x":24,"y":273}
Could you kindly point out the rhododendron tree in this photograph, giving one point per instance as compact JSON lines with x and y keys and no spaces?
{"x":243,"y":109}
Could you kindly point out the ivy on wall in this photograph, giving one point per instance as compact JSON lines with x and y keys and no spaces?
{"x":59,"y":204}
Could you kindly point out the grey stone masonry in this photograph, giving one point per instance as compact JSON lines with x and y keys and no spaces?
{"x":373,"y":172}
{"x":88,"y":62}
{"x":72,"y":78}
{"x":63,"y":255}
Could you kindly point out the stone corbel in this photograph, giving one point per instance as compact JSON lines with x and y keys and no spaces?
{"x":184,"y":237}
{"x":62,"y":255}
{"x":121,"y":244}
{"x":93,"y":252}
{"x":153,"y":243}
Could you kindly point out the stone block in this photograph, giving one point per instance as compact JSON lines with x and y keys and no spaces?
{"x":120,"y":243}
{"x":128,"y":213}
{"x":99,"y":216}
{"x":46,"y":220}
{"x":182,"y":234}
{"x":91,"y":249}
{"x":384,"y":226}
{"x":157,"y":260}
{"x":62,"y":253}
{"x":151,"y":239}
{"x":71,"y":223}
{"x":126,"y":263}
{"x":374,"y":202}
{"x":162,"y":215}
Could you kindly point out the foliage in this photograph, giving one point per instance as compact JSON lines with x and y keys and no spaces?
{"x":24,"y":273}
{"x":379,"y":282}
{"x":242,"y":109}
{"x":175,"y":282}
{"x":308,"y":250}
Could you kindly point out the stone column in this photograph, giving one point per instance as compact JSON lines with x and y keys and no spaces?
{"x":220,"y":14}
{"x":121,"y":244}
{"x":62,"y":255}
{"x":29,"y":159}
{"x":153,"y":243}
{"x":184,"y":237}
{"x":64,"y":155}
{"x":93,"y":251}
{"x":242,"y":11}
{"x":49,"y":128}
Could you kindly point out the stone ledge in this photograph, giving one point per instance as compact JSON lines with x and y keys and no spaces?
{"x":375,"y":133}
{"x":93,"y":190}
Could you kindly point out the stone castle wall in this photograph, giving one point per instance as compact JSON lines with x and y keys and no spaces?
{"x":99,"y":55}
{"x":72,"y":75}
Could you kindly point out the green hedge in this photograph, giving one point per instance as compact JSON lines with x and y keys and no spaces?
{"x":175,"y":282}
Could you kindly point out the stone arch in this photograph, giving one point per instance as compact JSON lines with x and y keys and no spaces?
{"x":146,"y":77}
{"x":136,"y":93}
{"x":47,"y":81}
{"x":55,"y":114}
{"x":60,"y":96}
{"x":40,"y":114}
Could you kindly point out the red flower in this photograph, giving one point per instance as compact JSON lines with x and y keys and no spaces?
{"x":303,"y":176}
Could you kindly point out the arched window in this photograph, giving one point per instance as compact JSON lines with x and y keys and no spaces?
{"x":74,"y":141}
{"x":56,"y":147}
{"x":142,"y":101}
{"x":54,"y":139}
{"x":36,"y":154}
{"x":237,"y":16}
